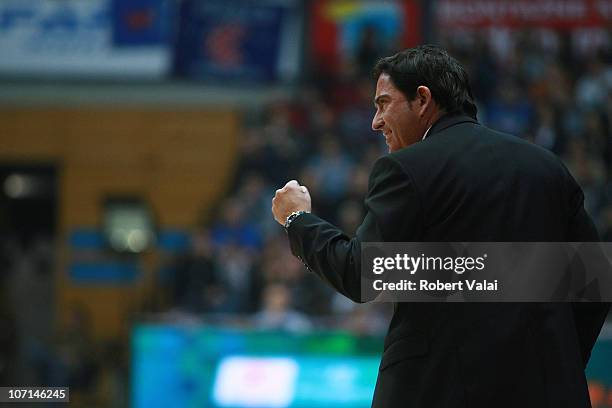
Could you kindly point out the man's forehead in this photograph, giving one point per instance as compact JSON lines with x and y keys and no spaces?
{"x":385,"y":88}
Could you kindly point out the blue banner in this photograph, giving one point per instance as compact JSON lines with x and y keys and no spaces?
{"x":75,"y":38}
{"x":142,"y":22}
{"x":229,"y":40}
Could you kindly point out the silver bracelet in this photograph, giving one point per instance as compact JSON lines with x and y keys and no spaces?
{"x":292,"y":217}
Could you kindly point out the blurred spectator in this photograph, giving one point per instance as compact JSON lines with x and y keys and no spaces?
{"x":557,"y":87}
{"x":332,"y":168}
{"x":358,"y":184}
{"x":355,"y":120}
{"x":255,"y":194}
{"x":368,"y":50}
{"x":234,"y":227}
{"x":512,"y":111}
{"x":282,"y":145}
{"x":592,"y":88}
{"x":239,"y":277}
{"x":323,"y":120}
{"x":597,"y":140}
{"x":546,"y":131}
{"x":589,"y":172}
{"x":308,"y":295}
{"x":277,"y":312}
{"x":367,"y":320}
{"x":197,"y":287}
{"x":482,"y":70}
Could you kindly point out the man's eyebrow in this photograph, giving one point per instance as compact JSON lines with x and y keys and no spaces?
{"x":379,"y":97}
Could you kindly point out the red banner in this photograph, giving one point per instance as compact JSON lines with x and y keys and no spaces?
{"x":559,"y":14}
{"x":337,"y":27}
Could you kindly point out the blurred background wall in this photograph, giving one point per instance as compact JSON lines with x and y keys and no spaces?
{"x":140,"y":145}
{"x":159,"y":155}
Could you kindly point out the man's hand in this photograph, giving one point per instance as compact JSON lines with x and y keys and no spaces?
{"x":288,"y":199}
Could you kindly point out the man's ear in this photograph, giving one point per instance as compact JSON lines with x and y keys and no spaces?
{"x":424,"y":99}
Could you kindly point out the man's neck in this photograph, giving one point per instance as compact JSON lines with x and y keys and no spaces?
{"x":433,"y":119}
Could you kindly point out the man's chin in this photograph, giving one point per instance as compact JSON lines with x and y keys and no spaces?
{"x":396,"y":147}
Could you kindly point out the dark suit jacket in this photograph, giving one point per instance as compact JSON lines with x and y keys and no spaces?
{"x":468,"y":183}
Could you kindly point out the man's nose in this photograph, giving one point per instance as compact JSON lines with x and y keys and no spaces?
{"x":377,"y":122}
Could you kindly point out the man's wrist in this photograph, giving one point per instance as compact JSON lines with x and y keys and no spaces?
{"x":291,"y":217}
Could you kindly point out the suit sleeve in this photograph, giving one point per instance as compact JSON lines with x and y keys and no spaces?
{"x":589,"y":316}
{"x":392,"y":214}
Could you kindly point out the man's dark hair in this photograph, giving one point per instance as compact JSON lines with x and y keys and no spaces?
{"x":433,"y":67}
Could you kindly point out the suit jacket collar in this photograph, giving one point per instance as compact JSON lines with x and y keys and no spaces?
{"x":448,"y":120}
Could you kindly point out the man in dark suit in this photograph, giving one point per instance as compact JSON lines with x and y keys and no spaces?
{"x":449,"y":179}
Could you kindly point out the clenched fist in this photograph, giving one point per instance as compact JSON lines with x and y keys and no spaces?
{"x":288,"y":199}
